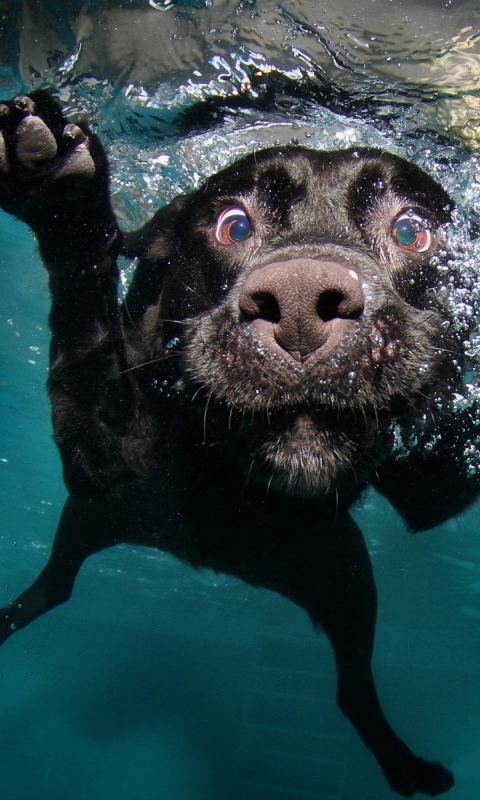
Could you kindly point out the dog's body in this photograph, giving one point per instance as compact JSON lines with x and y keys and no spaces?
{"x":282,"y":346}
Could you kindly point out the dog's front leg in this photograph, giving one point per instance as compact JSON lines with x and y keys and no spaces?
{"x":54,"y":176}
{"x":85,"y":527}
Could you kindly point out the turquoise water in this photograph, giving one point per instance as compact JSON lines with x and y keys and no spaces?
{"x":155,"y":681}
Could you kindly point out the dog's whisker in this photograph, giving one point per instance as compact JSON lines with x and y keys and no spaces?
{"x":269,"y":484}
{"x":247,"y":479}
{"x":152,"y":361}
{"x":205,"y":418}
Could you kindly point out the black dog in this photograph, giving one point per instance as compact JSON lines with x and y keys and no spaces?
{"x":283,"y":345}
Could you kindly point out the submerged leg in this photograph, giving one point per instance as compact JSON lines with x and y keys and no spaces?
{"x":345,"y":607}
{"x":84,"y":528}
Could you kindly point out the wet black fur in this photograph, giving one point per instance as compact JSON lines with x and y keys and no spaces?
{"x":178,"y":430}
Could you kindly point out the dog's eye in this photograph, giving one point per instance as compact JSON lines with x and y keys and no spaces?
{"x":233,"y":226}
{"x":412,"y":232}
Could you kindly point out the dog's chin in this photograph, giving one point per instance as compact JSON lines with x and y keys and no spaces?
{"x":313,"y":456}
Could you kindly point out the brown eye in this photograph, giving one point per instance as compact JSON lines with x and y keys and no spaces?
{"x":233,"y":226}
{"x":412,"y":232}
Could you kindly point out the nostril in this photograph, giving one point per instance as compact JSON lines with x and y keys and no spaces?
{"x":329,"y":304}
{"x":335,"y":304}
{"x":262,"y":305}
{"x":269,"y":309}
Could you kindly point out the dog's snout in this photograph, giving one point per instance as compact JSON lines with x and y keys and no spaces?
{"x":304,"y":304}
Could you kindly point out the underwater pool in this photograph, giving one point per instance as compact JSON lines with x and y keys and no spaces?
{"x":156,"y":681}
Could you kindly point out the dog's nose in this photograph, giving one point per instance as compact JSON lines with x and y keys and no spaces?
{"x":304,"y":304}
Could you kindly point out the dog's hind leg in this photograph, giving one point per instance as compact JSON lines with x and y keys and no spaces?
{"x":345,"y":606}
{"x":347,"y":613}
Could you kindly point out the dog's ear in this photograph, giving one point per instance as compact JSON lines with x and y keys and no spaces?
{"x":434,"y":482}
{"x":152,"y":245}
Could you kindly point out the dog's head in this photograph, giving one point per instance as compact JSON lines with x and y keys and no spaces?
{"x":308,"y":286}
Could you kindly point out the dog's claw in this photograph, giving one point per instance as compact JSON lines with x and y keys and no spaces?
{"x":73,"y":134}
{"x":25,"y":104}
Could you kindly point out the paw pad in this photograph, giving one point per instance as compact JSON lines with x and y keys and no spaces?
{"x":35,"y":142}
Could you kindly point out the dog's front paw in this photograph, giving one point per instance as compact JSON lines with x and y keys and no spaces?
{"x":42,"y":156}
{"x":415,"y":775}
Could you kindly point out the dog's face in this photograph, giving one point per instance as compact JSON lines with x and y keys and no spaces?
{"x":308,"y":284}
